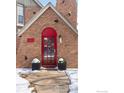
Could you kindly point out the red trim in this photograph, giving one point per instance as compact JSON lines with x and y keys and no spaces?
{"x":49,"y":33}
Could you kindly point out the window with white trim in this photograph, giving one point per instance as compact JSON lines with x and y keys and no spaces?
{"x":20,"y":15}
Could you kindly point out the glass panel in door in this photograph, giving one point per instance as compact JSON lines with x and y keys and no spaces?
{"x":49,"y":50}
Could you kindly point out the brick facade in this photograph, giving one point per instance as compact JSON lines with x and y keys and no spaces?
{"x":68,"y":8}
{"x":67,"y":49}
{"x":30,"y":11}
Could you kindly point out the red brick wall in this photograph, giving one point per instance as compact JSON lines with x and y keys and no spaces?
{"x":28,"y":11}
{"x":17,"y":43}
{"x":67,"y":49}
{"x":66,"y":7}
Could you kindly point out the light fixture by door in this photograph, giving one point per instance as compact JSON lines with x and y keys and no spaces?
{"x":60,"y":38}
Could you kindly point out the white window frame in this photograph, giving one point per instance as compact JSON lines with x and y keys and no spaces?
{"x":20,"y":24}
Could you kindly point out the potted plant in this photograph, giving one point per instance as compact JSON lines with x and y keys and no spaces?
{"x":61,"y":64}
{"x":35,"y":64}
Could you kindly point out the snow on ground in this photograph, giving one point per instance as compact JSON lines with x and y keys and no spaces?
{"x":73,"y":75}
{"x":23,"y":70}
{"x":22,"y":84}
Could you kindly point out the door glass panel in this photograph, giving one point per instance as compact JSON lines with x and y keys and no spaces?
{"x":45,"y":54}
{"x":45,"y":42}
{"x":45,"y":59}
{"x":49,"y":50}
{"x":50,"y":41}
{"x":45,"y":51}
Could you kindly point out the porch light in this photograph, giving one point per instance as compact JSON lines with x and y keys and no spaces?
{"x":60,"y":39}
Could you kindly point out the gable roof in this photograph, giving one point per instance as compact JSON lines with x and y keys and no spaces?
{"x":38,"y":3}
{"x":30,"y":22}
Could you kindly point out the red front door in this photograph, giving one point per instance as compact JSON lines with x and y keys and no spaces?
{"x":49,"y":48}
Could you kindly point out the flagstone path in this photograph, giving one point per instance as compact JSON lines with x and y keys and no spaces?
{"x":48,"y":81}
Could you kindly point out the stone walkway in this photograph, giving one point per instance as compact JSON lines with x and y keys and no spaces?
{"x":48,"y":81}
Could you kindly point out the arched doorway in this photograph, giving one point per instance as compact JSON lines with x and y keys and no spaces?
{"x":49,"y":47}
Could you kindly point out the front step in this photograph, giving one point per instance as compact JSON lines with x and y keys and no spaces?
{"x":43,"y":68}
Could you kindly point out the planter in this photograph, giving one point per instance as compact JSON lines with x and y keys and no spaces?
{"x":35,"y":66}
{"x":61,"y":64}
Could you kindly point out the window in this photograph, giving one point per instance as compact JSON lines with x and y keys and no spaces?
{"x":20,"y":15}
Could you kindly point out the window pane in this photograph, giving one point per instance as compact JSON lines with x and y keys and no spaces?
{"x":20,"y":18}
{"x":20,"y":14}
{"x":20,"y":10}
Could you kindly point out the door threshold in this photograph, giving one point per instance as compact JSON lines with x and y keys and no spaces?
{"x":43,"y":68}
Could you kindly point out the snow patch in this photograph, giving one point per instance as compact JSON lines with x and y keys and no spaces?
{"x":21,"y":85}
{"x":73,"y":76}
